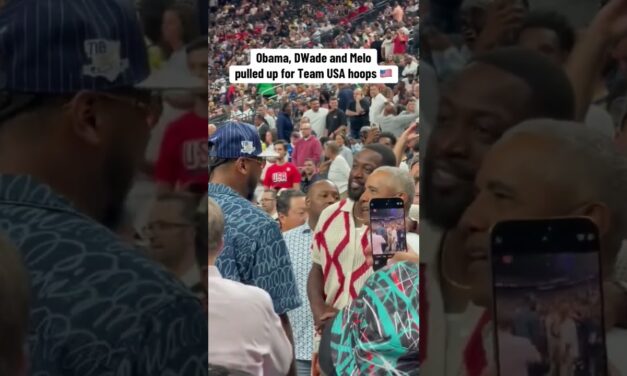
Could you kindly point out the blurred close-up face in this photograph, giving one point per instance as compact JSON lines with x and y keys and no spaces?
{"x":324,"y":194}
{"x":268,"y":202}
{"x":305,"y":130}
{"x":315,"y":106}
{"x":378,"y":185}
{"x":511,"y":186}
{"x":339,"y":139}
{"x":364,"y":163}
{"x":544,"y":41}
{"x":475,"y":109}
{"x":280,"y":149}
{"x":171,"y":27}
{"x":269,"y":139}
{"x":333,"y":104}
{"x":411,"y":106}
{"x":168,"y":231}
{"x":386,"y":141}
{"x":296,"y":215}
{"x":309,"y":168}
{"x":374,"y":91}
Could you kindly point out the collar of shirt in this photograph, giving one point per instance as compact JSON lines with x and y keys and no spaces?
{"x":303,"y":229}
{"x":25,"y":190}
{"x":221,"y":189}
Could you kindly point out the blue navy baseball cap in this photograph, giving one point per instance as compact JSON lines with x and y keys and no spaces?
{"x":65,"y":46}
{"x":235,"y":140}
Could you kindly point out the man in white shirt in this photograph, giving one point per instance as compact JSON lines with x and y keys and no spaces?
{"x":411,"y":68}
{"x":338,"y":167}
{"x":245,"y":333}
{"x":377,"y":102}
{"x":516,"y":353}
{"x":317,"y":117}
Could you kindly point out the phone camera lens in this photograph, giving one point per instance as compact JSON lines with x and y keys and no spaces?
{"x":581,"y":237}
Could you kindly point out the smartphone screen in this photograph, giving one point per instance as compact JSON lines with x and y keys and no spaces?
{"x":387,"y":229}
{"x":547,"y":289}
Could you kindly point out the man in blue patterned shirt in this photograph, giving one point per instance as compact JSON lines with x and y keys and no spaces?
{"x":254,"y":250}
{"x":321,"y":194}
{"x":73,"y":133}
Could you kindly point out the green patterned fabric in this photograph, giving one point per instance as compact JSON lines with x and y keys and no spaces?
{"x":377,"y":334}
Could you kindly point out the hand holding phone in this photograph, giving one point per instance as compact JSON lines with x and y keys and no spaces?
{"x":387,"y":229}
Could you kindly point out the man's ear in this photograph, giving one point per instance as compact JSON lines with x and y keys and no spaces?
{"x":240,"y":166}
{"x":83,"y":116}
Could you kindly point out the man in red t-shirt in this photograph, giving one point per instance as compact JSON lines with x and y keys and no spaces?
{"x":183,"y":157}
{"x":282,"y":174}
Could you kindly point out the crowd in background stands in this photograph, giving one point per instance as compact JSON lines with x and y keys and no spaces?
{"x":391,"y":27}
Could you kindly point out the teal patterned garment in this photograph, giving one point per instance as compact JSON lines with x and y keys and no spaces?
{"x":377,"y":334}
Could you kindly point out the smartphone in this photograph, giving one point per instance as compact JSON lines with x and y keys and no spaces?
{"x":547,"y":297}
{"x":387,"y":229}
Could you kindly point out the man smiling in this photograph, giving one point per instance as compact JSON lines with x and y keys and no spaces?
{"x":544,"y":169}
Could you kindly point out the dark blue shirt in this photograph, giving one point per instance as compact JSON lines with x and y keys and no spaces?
{"x":345,"y":97}
{"x":99,"y":306}
{"x":284,"y":126}
{"x":254,"y":251}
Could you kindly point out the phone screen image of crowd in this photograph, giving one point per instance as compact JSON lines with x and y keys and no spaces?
{"x":548,"y":315}
{"x":388,"y":231}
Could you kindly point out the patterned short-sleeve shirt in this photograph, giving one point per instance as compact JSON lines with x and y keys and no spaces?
{"x":378,"y":333}
{"x":254,"y":251}
{"x":99,"y":307}
{"x":298,"y":242}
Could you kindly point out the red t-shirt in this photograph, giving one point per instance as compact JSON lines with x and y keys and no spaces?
{"x":400,"y":44}
{"x":184,"y":154}
{"x":284,"y":176}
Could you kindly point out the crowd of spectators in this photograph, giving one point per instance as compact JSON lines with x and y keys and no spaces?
{"x":389,"y":27}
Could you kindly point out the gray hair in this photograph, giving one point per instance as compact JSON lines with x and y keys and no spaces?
{"x":215,"y":225}
{"x":403,"y":179}
{"x":597,"y":158}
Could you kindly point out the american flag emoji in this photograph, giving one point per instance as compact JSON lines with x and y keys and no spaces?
{"x":385,"y":73}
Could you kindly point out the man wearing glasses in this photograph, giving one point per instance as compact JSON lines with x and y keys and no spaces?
{"x":73,"y":130}
{"x":254,"y":251}
{"x":171,"y":234}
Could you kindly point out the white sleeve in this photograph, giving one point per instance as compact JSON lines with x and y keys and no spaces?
{"x":280,"y":353}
